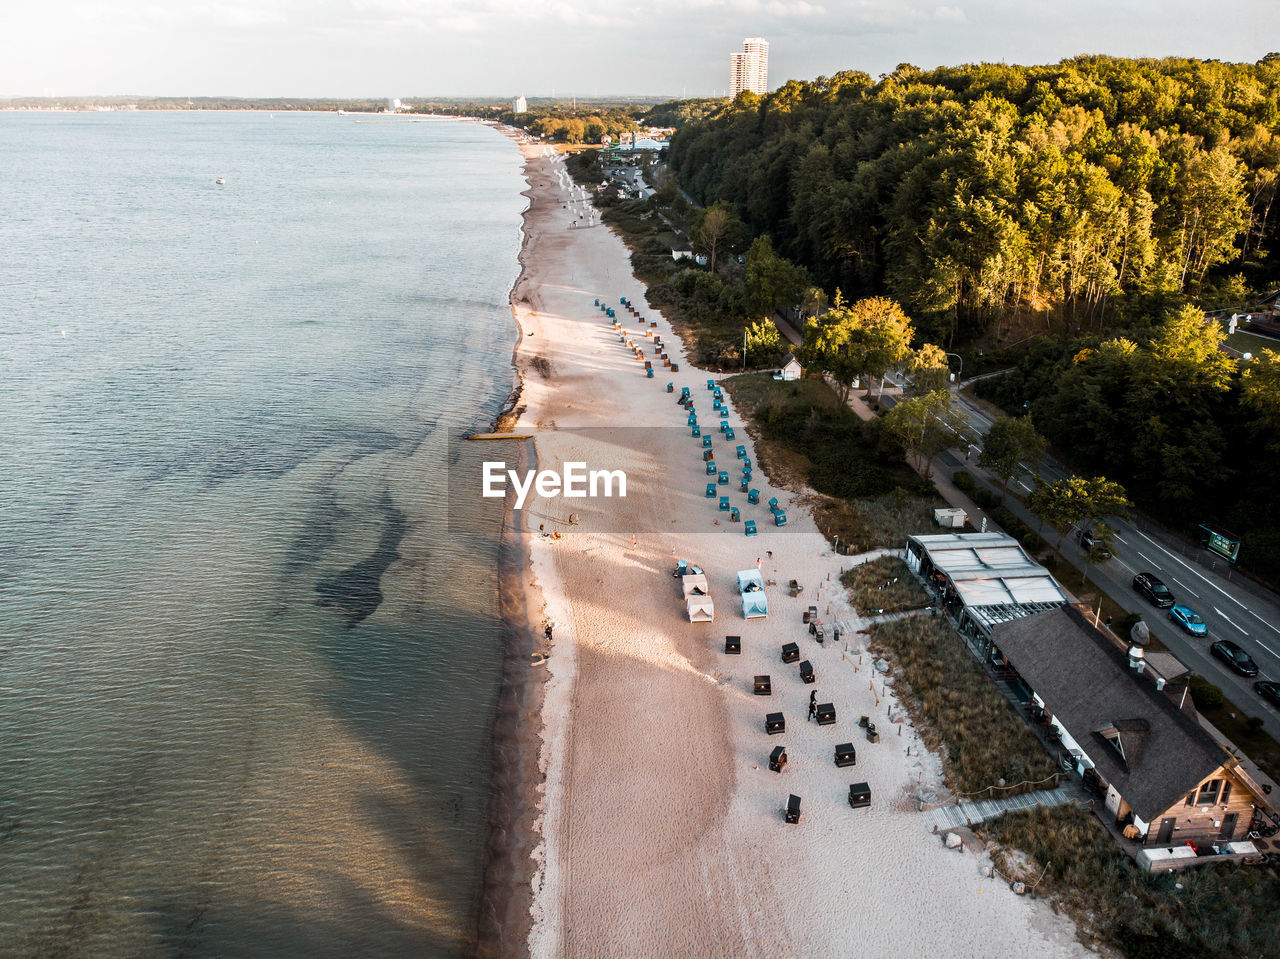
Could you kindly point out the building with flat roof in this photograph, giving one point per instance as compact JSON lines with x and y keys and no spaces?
{"x":982,"y":579}
{"x":520,"y":105}
{"x":749,"y":70}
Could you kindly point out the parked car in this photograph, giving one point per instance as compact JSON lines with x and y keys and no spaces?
{"x":1235,"y":657}
{"x":1189,"y":620}
{"x":1269,"y":691}
{"x":1149,"y":586}
{"x":1087,"y":540}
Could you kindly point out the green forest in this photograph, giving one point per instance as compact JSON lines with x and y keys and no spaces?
{"x":1073,"y":221}
{"x":1085,"y":194}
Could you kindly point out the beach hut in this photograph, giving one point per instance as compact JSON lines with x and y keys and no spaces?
{"x":826,"y":714}
{"x":790,"y":652}
{"x":754,"y":601}
{"x":701,"y":609}
{"x":694,"y":584}
{"x":793,"y":809}
{"x":846,"y":755}
{"x":762,"y":686}
{"x":791,"y":370}
{"x":859,"y":795}
{"x":778,"y":758}
{"x":774,"y":723}
{"x":733,"y":645}
{"x":750,"y":580}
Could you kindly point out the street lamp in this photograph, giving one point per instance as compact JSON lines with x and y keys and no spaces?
{"x":959,"y":372}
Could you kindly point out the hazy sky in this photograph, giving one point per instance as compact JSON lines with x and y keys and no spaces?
{"x":411,"y":48}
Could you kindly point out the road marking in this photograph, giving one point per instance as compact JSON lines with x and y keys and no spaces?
{"x":1191,"y":570}
{"x":1186,"y":587}
{"x":1269,"y":649}
{"x":1228,"y":619}
{"x":1263,"y":621}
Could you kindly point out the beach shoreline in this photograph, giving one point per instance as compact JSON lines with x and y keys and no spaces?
{"x":649,"y":823}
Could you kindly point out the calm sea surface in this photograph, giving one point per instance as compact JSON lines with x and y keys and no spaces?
{"x":247,"y":671}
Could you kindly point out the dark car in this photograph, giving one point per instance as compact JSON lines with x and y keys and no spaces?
{"x":1153,"y":589}
{"x":1235,"y":657}
{"x":1089,"y":539}
{"x":1269,"y":691}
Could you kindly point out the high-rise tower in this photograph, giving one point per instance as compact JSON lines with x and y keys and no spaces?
{"x":749,"y":70}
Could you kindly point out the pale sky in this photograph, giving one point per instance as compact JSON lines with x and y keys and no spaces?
{"x":420,"y":48}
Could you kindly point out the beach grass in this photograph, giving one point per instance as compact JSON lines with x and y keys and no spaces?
{"x":883,"y":585}
{"x":1209,"y":912}
{"x":958,"y":711}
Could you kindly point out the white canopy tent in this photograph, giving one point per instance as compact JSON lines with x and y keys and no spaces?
{"x":701,"y":609}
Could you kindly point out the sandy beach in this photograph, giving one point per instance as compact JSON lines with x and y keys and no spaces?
{"x":658,"y":827}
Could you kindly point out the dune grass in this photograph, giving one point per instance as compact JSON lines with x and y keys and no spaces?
{"x":1219,"y":911}
{"x":883,"y":585}
{"x":957,"y":710}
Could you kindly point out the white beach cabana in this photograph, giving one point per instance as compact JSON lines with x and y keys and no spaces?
{"x":754,"y":601}
{"x":695,"y":584}
{"x":701,"y":609}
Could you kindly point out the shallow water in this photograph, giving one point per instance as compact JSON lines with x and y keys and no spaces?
{"x":247,"y":673}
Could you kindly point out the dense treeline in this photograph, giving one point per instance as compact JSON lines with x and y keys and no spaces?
{"x":1192,"y":437}
{"x":1096,"y":191}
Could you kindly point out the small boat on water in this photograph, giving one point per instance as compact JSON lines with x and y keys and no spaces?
{"x":221,"y":181}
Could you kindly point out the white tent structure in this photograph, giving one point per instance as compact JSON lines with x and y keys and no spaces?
{"x":695,"y":584}
{"x":701,"y":609}
{"x":983,"y":579}
{"x":754,"y":601}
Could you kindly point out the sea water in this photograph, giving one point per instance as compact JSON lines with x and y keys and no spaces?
{"x":248,"y":666}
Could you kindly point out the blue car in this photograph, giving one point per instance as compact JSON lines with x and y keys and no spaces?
{"x":1188,"y":619}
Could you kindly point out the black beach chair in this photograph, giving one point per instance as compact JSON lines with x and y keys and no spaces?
{"x":774,"y":723}
{"x":859,"y":795}
{"x":778,"y":758}
{"x":793,"y":809}
{"x":733,"y":645}
{"x":826,"y":714}
{"x":763,"y":687}
{"x":846,"y":755}
{"x":806,"y":671}
{"x":790,"y":652}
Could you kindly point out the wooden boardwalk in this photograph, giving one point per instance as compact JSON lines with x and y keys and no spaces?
{"x":966,"y":813}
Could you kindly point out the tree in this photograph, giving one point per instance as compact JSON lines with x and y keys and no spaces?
{"x":1008,"y":445}
{"x":763,"y":343}
{"x":928,"y":370}
{"x":772,"y":281}
{"x":925,"y":426}
{"x":1260,"y":393}
{"x":863,"y":339}
{"x":717,"y":225}
{"x":1076,"y":499}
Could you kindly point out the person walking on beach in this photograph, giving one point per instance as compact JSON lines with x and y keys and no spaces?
{"x":813,"y":704}
{"x":633,"y":543}
{"x":548,"y":631}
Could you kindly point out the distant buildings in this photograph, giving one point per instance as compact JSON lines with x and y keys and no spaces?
{"x":749,"y":70}
{"x":519,"y":105}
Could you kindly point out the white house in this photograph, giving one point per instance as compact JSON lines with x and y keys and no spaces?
{"x":792,"y":370}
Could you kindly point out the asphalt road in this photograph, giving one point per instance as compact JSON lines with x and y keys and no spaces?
{"x":1232,"y":606}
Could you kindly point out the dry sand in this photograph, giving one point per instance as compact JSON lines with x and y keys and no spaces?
{"x":661,"y":830}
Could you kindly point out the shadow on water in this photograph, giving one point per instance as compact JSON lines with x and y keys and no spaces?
{"x":364,"y":927}
{"x":356,"y":592}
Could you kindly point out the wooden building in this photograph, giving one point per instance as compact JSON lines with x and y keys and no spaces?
{"x":1163,"y":778}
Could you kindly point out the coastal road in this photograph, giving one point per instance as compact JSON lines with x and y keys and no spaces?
{"x":1232,"y":606}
